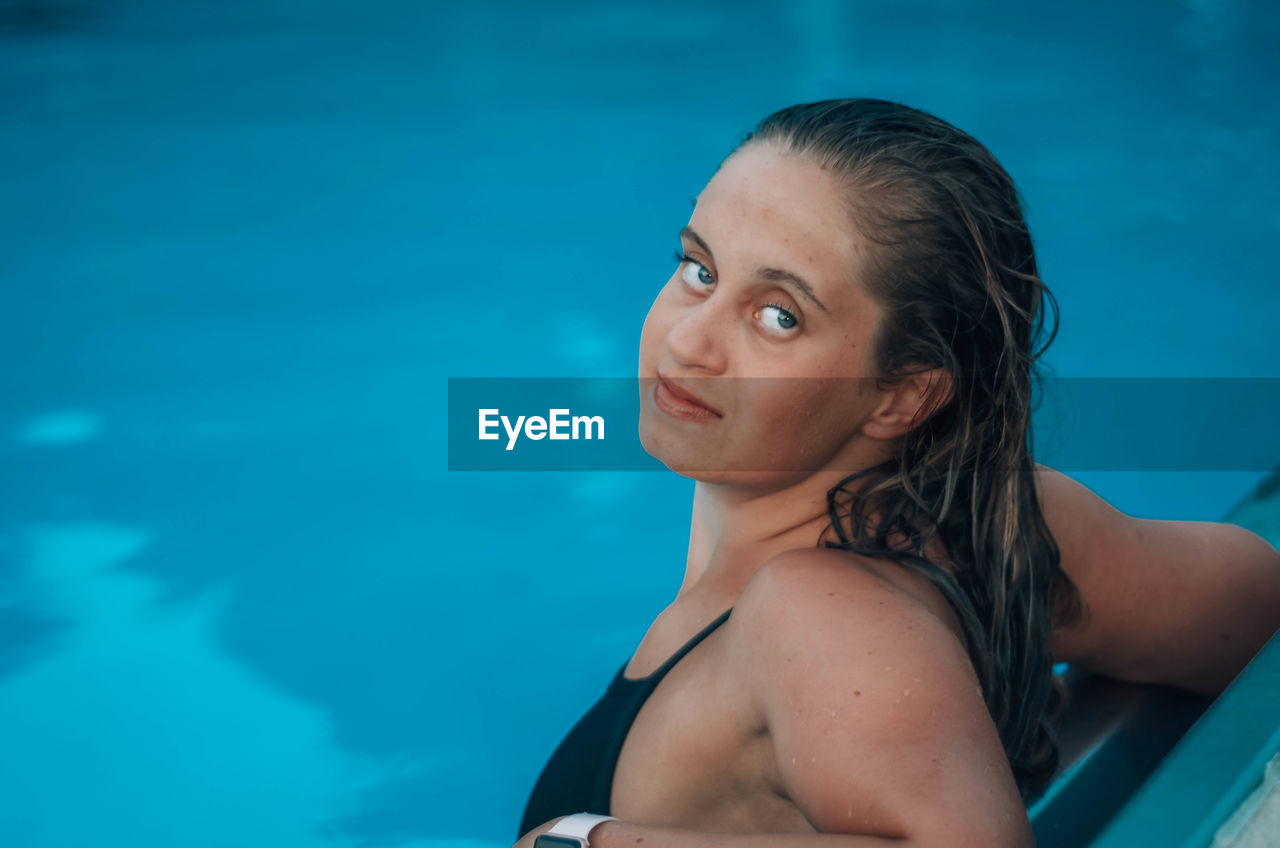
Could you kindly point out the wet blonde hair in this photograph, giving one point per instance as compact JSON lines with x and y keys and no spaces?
{"x":953,"y":266}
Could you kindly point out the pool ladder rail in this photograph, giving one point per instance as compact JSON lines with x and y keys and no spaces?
{"x":1146,"y":765}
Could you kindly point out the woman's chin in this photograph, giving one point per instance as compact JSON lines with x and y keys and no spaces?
{"x":684,"y":453}
{"x":677,"y":457}
{"x":702,"y":462}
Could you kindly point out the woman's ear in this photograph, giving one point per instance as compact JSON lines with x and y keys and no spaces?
{"x":908,"y":402}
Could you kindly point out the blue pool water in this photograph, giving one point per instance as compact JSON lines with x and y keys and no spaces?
{"x":244,"y":244}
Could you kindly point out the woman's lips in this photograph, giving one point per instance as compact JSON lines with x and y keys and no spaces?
{"x":681,"y":403}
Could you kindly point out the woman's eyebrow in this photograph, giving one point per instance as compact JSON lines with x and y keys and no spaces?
{"x":776,"y":275}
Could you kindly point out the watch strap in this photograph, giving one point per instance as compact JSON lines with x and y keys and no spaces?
{"x":578,"y":825}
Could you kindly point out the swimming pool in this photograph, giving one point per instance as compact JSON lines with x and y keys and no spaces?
{"x":248,"y":243}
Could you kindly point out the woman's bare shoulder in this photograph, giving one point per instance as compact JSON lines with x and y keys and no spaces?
{"x":867,"y":694}
{"x":812,"y":575}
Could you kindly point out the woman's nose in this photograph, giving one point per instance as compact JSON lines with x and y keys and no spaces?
{"x":697,"y":340}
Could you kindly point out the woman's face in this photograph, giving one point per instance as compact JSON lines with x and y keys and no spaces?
{"x":766,"y":321}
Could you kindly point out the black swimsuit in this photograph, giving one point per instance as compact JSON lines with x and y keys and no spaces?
{"x":579,"y":776}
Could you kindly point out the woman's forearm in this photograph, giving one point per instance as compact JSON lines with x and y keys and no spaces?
{"x":1221,"y":604}
{"x":622,"y":834}
{"x":1247,"y":611}
{"x":1180,"y":603}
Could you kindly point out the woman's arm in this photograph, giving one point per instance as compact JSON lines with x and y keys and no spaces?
{"x":877,"y":720}
{"x":621,"y":834}
{"x":1183,"y":603}
{"x":880,"y":735}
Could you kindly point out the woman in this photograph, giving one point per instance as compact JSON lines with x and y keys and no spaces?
{"x":879,"y":578}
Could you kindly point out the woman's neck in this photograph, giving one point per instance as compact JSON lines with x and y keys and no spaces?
{"x":734,"y":531}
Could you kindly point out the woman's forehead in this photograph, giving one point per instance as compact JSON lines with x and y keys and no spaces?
{"x":765,"y":206}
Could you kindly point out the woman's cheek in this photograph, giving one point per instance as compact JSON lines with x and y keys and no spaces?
{"x":663,"y":315}
{"x":651,"y":337}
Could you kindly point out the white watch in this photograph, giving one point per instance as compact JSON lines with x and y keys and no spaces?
{"x":571,"y":831}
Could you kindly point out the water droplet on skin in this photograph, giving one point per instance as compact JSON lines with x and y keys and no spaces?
{"x":850,"y":813}
{"x":833,"y":713}
{"x":906,"y":691}
{"x":793,"y":761}
{"x":888,"y":668}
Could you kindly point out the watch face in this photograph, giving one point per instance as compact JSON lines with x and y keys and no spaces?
{"x":546,"y":841}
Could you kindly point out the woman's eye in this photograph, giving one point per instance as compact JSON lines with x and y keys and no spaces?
{"x":701,"y":277}
{"x":777,"y":320}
